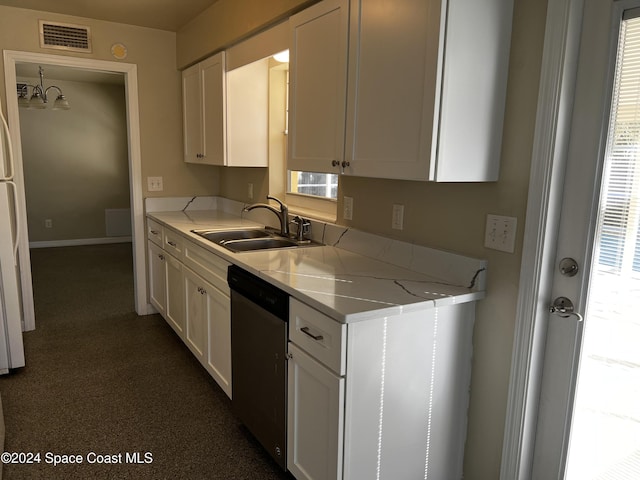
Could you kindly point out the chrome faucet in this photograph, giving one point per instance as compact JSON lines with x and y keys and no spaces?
{"x":282,"y":214}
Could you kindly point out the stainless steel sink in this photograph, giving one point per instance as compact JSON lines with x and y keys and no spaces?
{"x":259,"y":244}
{"x":248,"y":240}
{"x":222,"y":236}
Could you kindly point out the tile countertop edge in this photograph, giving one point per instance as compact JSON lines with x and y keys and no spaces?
{"x":180,"y":215}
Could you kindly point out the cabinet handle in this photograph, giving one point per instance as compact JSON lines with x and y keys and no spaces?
{"x":173,"y":244}
{"x":306,"y":331}
{"x":154,"y":232}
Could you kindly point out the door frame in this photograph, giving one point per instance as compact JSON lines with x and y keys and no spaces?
{"x":549,"y":158}
{"x":130,"y":72}
{"x":548,"y":162}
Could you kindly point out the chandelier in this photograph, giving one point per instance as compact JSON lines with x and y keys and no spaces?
{"x":39,"y":95}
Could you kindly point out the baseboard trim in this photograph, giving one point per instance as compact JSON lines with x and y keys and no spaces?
{"x":79,"y":241}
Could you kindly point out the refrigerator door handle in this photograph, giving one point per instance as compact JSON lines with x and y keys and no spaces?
{"x":16,"y":241}
{"x":9,"y":174}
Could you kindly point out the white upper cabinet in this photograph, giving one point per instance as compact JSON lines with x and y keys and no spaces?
{"x":226,"y":103}
{"x":248,"y":115}
{"x":317,"y":86}
{"x":425,"y":94}
{"x":204,"y":111}
{"x":192,"y":114}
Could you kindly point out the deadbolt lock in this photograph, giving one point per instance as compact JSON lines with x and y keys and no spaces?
{"x":568,"y":267}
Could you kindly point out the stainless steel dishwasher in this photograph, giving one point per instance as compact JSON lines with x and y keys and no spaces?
{"x":259,"y":329}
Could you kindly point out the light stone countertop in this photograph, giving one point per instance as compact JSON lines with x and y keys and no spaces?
{"x":344,"y":285}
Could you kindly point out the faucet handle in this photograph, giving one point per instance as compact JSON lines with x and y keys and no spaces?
{"x":304,"y":227}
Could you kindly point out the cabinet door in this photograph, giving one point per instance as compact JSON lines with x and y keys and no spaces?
{"x":196,"y":315}
{"x":192,"y":114}
{"x":392,"y":88}
{"x":219,"y":322}
{"x":212,"y":71}
{"x":157,"y":278}
{"x":248,"y":115}
{"x":175,"y":295}
{"x":315,"y":419}
{"x":317,"y":86}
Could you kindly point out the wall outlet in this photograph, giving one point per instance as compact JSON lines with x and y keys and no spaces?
{"x":48,"y":223}
{"x":347,"y":213}
{"x":250,"y":191}
{"x":500,"y":233}
{"x":154,"y":184}
{"x":397,"y":217}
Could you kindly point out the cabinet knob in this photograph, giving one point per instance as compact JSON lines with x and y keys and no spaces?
{"x":345,"y":164}
{"x":161,"y":257}
{"x":335,"y":163}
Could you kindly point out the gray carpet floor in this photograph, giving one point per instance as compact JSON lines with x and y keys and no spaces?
{"x":99,"y":379}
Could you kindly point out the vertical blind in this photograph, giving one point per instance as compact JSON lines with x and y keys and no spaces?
{"x":619,"y":224}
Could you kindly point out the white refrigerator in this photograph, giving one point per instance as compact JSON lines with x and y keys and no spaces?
{"x":11,"y":346}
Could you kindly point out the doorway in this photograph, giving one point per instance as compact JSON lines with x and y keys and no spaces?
{"x":604,"y":434}
{"x":11,"y":58}
{"x":75,"y":160}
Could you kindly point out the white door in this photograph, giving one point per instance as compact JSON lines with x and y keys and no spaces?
{"x":589,"y":412}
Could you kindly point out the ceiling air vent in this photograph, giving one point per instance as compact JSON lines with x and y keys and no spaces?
{"x":65,"y":36}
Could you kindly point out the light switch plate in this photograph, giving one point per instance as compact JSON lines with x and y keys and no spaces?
{"x":500,"y":233}
{"x":154,"y":184}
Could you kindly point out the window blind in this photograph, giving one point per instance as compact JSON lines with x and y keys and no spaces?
{"x":619,"y":223}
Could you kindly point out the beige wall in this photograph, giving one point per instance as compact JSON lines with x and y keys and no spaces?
{"x":75,"y":161}
{"x":154,"y":53}
{"x":446,"y":216}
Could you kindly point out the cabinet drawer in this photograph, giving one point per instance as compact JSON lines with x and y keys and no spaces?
{"x":154,"y":232}
{"x":319,"y":335}
{"x":206,"y":264}
{"x":173,"y":243}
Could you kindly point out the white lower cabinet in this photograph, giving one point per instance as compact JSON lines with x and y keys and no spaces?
{"x":174,"y":311}
{"x":157,"y":278}
{"x":315,"y":418}
{"x":399,"y":410}
{"x":208,"y":327}
{"x":192,"y":295}
{"x":196,"y":313}
{"x":219,"y":324}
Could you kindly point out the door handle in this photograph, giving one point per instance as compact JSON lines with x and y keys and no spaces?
{"x":563,"y":307}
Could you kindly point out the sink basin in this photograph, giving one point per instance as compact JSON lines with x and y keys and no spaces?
{"x":223,"y":236}
{"x":248,"y":240}
{"x":247,"y":245}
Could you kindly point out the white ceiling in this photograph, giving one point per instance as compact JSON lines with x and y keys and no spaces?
{"x":162,"y":14}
